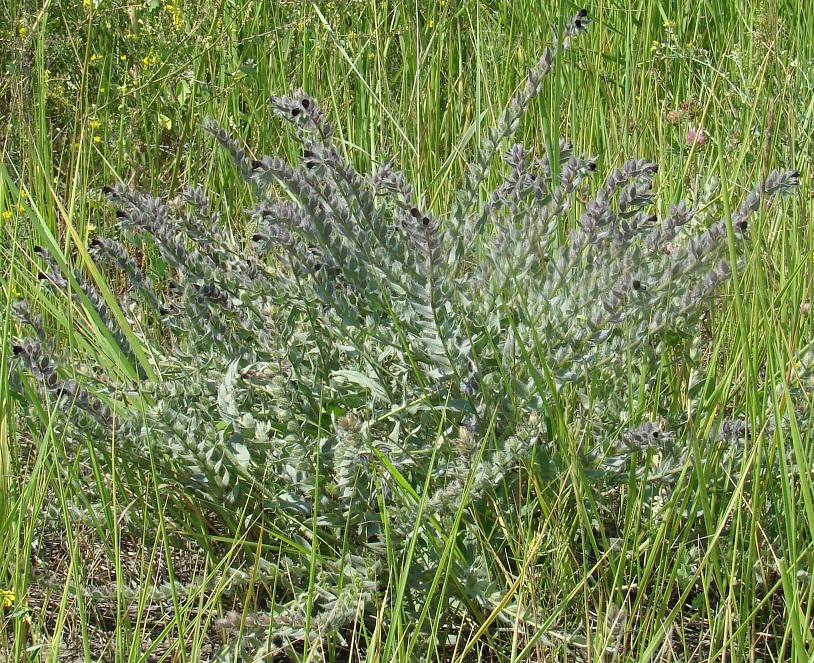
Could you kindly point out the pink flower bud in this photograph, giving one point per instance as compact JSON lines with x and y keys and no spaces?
{"x":696,"y":136}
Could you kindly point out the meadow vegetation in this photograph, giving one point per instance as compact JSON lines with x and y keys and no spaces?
{"x":378,"y":331}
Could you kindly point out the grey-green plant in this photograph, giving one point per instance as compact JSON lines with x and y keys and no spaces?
{"x":356,"y":383}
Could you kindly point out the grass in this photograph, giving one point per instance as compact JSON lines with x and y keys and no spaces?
{"x":97,"y":93}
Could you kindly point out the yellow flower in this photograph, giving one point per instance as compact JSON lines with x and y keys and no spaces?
{"x":7,"y":598}
{"x":97,"y":139}
{"x":432,"y":23}
{"x":176,"y":15}
{"x":7,"y":215}
{"x":95,"y":124}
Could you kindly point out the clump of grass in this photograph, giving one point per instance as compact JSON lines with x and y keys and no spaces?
{"x":622,"y":517}
{"x":357,"y":388}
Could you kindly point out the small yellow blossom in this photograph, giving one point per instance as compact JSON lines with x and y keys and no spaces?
{"x":95,"y":57}
{"x":7,"y":215}
{"x":23,"y":193}
{"x":95,"y":124}
{"x":175,"y":13}
{"x":432,"y":23}
{"x":20,"y":207}
{"x":7,"y":598}
{"x":122,"y":58}
{"x":97,"y":139}
{"x":102,"y":90}
{"x":21,"y":31}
